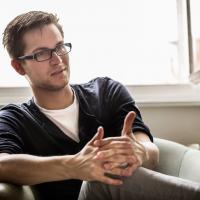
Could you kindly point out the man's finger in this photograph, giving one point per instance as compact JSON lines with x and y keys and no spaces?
{"x":130,"y":170}
{"x":98,"y":136}
{"x":128,"y":121}
{"x":108,"y":141}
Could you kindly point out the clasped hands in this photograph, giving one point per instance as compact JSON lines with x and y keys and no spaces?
{"x":118,"y":156}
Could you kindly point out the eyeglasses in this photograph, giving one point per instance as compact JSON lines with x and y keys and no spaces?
{"x":46,"y":54}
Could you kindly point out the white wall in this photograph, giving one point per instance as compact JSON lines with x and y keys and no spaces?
{"x":171,"y":111}
{"x":177,"y":123}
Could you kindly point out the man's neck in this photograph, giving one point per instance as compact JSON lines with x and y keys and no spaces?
{"x":54,"y":100}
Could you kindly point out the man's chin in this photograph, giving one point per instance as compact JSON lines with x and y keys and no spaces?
{"x":54,"y":88}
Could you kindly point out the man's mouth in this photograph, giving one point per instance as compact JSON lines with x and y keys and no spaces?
{"x":58,"y":72}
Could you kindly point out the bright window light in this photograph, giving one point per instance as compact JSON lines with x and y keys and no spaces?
{"x":134,"y":42}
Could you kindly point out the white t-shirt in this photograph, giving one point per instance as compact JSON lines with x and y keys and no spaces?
{"x":66,"y":119}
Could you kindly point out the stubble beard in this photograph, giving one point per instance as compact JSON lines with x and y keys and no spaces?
{"x":53,"y":87}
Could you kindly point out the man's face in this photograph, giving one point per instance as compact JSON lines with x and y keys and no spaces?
{"x":52,"y":74}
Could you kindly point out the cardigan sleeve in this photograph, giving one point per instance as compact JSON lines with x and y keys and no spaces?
{"x":10,"y":141}
{"x":121,"y":102}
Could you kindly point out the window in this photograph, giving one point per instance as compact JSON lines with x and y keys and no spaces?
{"x":135,"y":42}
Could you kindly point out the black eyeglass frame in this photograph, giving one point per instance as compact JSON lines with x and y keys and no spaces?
{"x":34,"y":55}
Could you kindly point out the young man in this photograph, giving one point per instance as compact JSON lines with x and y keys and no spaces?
{"x":50,"y":141}
{"x":66,"y":133}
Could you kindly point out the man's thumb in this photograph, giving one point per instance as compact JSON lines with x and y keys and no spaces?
{"x":128,"y":121}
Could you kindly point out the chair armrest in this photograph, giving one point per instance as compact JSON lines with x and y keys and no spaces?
{"x":16,"y":192}
{"x":170,"y":157}
{"x":178,"y":160}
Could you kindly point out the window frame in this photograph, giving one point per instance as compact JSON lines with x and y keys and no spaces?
{"x":194,"y":71}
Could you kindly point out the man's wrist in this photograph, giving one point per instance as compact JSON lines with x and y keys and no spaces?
{"x":152,"y":156}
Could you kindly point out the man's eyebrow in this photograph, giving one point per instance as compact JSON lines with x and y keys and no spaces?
{"x":40,"y":49}
{"x":46,"y":48}
{"x":59,"y":43}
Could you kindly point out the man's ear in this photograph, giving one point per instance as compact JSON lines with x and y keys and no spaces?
{"x":18,"y":67}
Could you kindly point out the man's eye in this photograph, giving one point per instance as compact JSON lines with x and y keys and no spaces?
{"x":42,"y":53}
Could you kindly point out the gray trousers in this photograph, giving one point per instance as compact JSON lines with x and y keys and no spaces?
{"x":144,"y":184}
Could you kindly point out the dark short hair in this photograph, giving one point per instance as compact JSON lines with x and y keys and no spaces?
{"x":13,"y":33}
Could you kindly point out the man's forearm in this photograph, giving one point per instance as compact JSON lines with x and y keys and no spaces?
{"x":29,"y":170}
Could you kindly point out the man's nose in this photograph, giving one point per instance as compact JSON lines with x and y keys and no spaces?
{"x":55,"y":57}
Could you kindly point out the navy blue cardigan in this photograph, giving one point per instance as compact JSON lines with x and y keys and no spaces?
{"x":102,"y":102}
